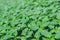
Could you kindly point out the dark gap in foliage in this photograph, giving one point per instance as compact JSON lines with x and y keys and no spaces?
{"x":10,"y":39}
{"x":9,"y":24}
{"x":50,"y":4}
{"x":57,"y":39}
{"x":23,"y":28}
{"x":30,"y":20}
{"x":18,"y":39}
{"x":3,"y":23}
{"x":58,"y":1}
{"x":34,"y":33}
{"x":47,"y":5}
{"x":51,"y":19}
{"x":53,"y":33}
{"x":24,"y":7}
{"x":47,"y":28}
{"x":54,"y":17}
{"x":40,"y":38}
{"x":57,"y":25}
{"x":49,"y":16}
{"x":41,"y":5}
{"x":15,"y":25}
{"x":19,"y":17}
{"x":40,"y":20}
{"x":18,"y":12}
{"x":32,"y":8}
{"x":30,"y":38}
{"x":27,"y":23}
{"x":43,"y":36}
{"x":34,"y":0}
{"x":5,"y":16}
{"x":19,"y":32}
{"x":10,"y":19}
{"x":37,"y":18}
{"x":1,"y":36}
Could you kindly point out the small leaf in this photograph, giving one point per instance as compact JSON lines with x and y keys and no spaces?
{"x":46,"y":33}
{"x":57,"y":36}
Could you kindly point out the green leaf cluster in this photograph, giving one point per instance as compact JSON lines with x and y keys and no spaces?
{"x":29,"y":19}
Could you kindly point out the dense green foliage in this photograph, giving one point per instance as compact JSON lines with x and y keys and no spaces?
{"x":29,"y":20}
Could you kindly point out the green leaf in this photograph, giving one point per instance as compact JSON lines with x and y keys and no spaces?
{"x":24,"y":32}
{"x":57,"y":36}
{"x":33,"y":26}
{"x":58,"y":16}
{"x":37,"y":34}
{"x":46,"y":33}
